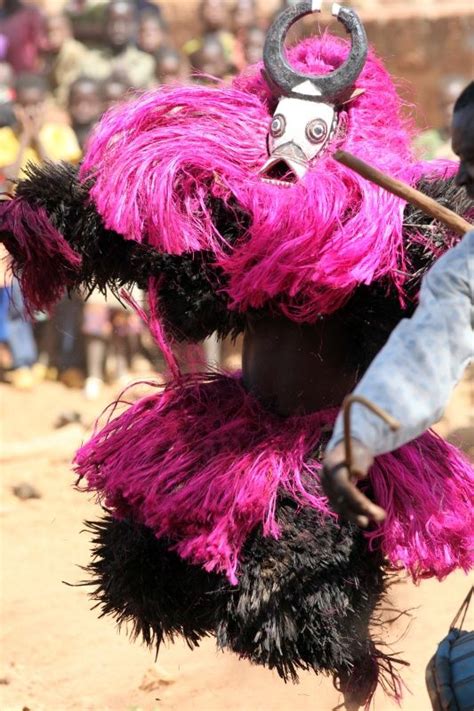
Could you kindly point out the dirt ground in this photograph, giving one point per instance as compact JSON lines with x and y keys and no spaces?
{"x":56,"y":655}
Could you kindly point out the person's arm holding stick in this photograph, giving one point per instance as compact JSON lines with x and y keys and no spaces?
{"x":414,"y":374}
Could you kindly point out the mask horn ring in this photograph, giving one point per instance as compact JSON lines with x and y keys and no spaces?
{"x":285,"y":80}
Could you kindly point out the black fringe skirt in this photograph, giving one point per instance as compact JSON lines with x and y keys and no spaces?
{"x":305,"y":601}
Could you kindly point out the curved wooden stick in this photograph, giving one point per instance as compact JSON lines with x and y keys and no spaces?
{"x":346,"y":410}
{"x":449,"y":218}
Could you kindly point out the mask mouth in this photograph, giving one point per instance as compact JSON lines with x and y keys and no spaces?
{"x":283,"y":170}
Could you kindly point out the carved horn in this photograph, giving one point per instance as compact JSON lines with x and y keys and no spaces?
{"x":329,"y":87}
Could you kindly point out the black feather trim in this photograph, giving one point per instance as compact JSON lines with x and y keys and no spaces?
{"x":191,"y":286}
{"x":436,"y":237}
{"x":303,"y":602}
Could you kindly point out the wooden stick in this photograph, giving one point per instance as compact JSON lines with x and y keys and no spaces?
{"x":349,"y":400}
{"x":411,"y":195}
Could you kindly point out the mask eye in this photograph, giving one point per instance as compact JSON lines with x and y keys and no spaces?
{"x":316,"y":131}
{"x":278,"y":125}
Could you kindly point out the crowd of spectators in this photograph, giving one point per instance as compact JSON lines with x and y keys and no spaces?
{"x":59,"y":72}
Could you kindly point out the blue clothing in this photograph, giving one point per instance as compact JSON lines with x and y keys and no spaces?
{"x":16,"y":330}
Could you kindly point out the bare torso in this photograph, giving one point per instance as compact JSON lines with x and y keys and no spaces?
{"x":296,"y":369}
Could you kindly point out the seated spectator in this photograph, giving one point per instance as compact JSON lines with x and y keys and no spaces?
{"x":152,"y":31}
{"x":253,"y":40}
{"x":210,"y":61}
{"x":114,"y":89}
{"x":21,"y":32}
{"x":170,"y":66}
{"x":32,"y":137}
{"x":85,"y":107}
{"x":216,"y":22}
{"x":120,"y":56}
{"x":62,"y":55}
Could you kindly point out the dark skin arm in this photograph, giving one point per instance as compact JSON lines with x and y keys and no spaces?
{"x":340,"y":485}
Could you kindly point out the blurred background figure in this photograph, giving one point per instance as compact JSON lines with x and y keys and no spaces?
{"x":62,"y":56}
{"x":114,"y":90}
{"x":152,"y":31}
{"x":253,"y":39}
{"x":210,"y":60}
{"x":112,"y":341}
{"x":216,"y":23}
{"x":32,"y":137}
{"x":171,"y":66}
{"x":18,"y":351}
{"x":244,"y":17}
{"x":85,"y":107}
{"x":22,"y":33}
{"x":7,"y":93}
{"x":436,"y":142}
{"x":216,"y":19}
{"x":120,"y":56}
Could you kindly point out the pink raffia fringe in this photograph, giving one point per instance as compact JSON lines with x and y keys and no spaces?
{"x":40,"y":256}
{"x":159,"y":163}
{"x":202,"y":463}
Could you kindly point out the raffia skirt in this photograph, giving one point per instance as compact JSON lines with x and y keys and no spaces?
{"x":215,"y":525}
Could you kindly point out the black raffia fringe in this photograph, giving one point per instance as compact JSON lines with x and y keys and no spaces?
{"x":304,"y":601}
{"x":437,"y":237}
{"x":192,"y":302}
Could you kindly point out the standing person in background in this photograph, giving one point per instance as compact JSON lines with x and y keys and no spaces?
{"x":7,"y":114}
{"x":62,"y":56}
{"x":152,"y":31}
{"x":244,"y":15}
{"x":109,"y":329}
{"x":33,"y":138}
{"x":16,"y":333}
{"x":69,"y":358}
{"x":22,"y":33}
{"x":120,"y":56}
{"x":85,"y":107}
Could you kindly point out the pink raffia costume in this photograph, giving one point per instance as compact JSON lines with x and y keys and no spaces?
{"x":226,"y":204}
